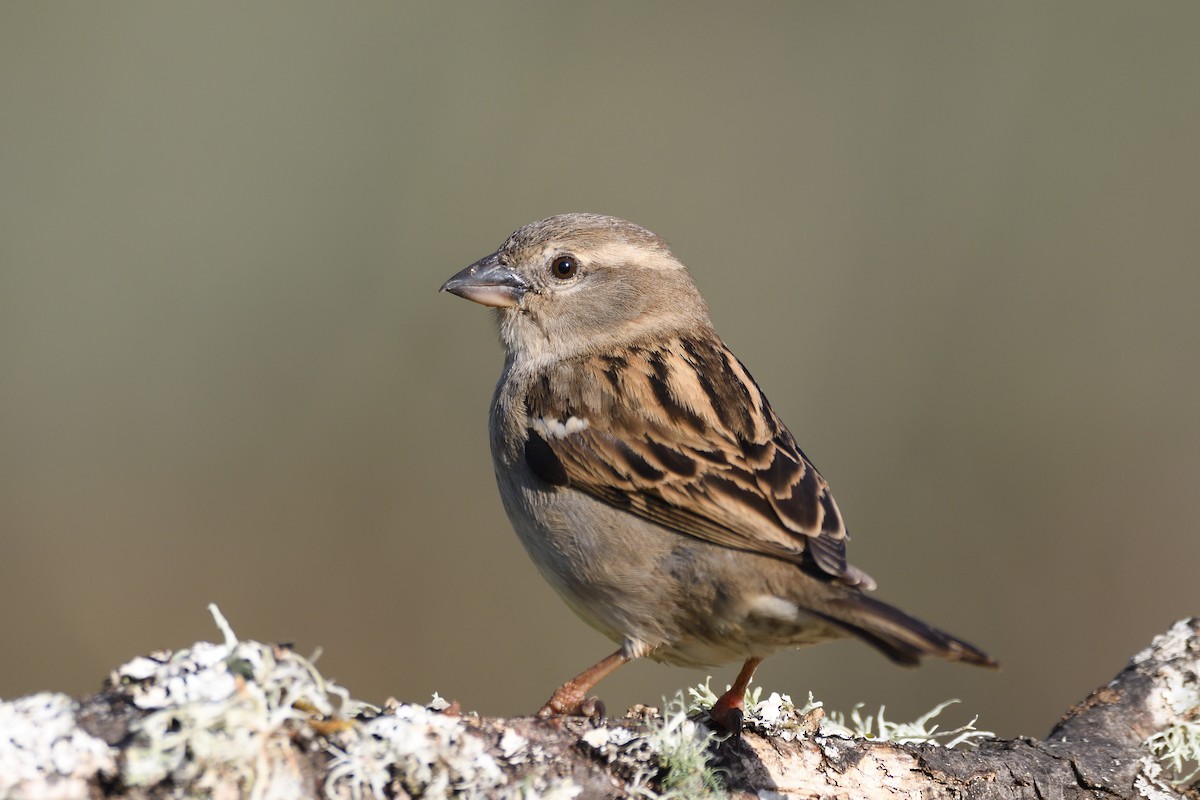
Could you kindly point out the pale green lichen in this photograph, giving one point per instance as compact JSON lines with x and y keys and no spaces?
{"x":1177,"y":747}
{"x":1178,"y":750}
{"x":428,"y":752}
{"x":919,"y":731}
{"x":222,"y":714}
{"x":682,"y":748}
{"x":231,"y":714}
{"x":424,"y":752}
{"x":666,"y":758}
{"x":778,"y":715}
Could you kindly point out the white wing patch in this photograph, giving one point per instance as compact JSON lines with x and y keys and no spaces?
{"x":772,"y":607}
{"x":555,"y":429}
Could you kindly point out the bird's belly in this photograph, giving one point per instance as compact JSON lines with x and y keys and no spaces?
{"x":588,"y":553}
{"x":752,"y":636}
{"x":675,"y":598}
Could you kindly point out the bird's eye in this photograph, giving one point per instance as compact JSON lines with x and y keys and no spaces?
{"x":563,"y":267}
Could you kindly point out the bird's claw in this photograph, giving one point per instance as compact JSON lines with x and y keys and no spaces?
{"x":570,"y":702}
{"x":593,"y":709}
{"x":728,"y":719}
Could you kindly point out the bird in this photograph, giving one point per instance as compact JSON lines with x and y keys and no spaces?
{"x":648,"y":477}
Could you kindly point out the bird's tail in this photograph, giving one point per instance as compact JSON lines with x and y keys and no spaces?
{"x":900,"y":637}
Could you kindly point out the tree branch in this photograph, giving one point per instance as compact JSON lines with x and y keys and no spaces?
{"x":247,"y":719}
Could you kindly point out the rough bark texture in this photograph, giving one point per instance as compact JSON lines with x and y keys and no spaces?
{"x":246,"y":719}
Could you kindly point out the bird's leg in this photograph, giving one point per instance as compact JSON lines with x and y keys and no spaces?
{"x":570,"y":698}
{"x":730,"y":709}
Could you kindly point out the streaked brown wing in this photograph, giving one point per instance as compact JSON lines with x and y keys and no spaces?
{"x":679,"y":433}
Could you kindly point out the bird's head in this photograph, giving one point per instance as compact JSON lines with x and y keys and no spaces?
{"x":578,"y":283}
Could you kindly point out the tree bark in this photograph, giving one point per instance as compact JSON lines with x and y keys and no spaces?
{"x":245,"y":719}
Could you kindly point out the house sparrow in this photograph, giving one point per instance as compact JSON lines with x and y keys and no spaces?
{"x":647,"y":475}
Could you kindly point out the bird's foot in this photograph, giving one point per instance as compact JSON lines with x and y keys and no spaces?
{"x":593,"y":709}
{"x":728,"y":712}
{"x":571,"y":701}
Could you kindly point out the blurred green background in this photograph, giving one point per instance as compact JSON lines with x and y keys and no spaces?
{"x":955,"y":243}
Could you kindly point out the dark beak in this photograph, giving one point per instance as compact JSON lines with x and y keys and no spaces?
{"x":489,"y":283}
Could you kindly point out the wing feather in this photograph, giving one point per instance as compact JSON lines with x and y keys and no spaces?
{"x":678,"y":433}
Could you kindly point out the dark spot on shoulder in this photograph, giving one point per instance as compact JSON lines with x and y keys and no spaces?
{"x":541,"y":459}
